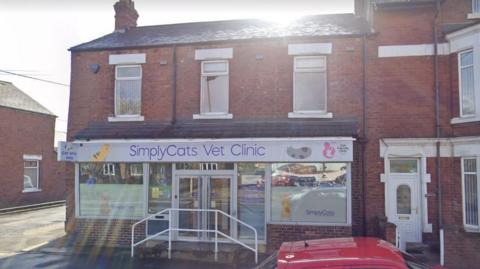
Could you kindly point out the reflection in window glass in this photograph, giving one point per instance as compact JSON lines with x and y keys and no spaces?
{"x":251,"y":198}
{"x":30,"y":175}
{"x":117,"y":194}
{"x":403,"y":166}
{"x":309,"y":192}
{"x":404,"y":201}
{"x":159,"y":187}
{"x":204,"y":166}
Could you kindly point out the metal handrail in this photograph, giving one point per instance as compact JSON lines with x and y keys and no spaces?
{"x":170,"y":229}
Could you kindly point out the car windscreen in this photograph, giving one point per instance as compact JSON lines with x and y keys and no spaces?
{"x":413,"y":263}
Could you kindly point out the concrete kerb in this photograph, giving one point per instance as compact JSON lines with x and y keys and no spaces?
{"x":19,"y":209}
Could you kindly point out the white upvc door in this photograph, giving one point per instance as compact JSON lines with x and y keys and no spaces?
{"x":405,"y":210}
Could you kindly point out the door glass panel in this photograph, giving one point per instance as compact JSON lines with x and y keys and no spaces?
{"x":403,"y":166}
{"x":219,"y":198}
{"x":189,"y":197}
{"x":404,"y":201}
{"x":159,"y":195}
{"x":251,"y":199}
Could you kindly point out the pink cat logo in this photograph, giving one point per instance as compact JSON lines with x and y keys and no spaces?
{"x":328,"y":151}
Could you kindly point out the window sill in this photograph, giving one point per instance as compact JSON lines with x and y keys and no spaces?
{"x":319,"y":115}
{"x":125,"y":118}
{"x":212,"y":116}
{"x":472,"y":16}
{"x":471,"y":230}
{"x":464,"y":120}
{"x":31,"y":190}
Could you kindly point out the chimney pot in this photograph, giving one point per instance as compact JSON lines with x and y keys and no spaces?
{"x":125,"y":15}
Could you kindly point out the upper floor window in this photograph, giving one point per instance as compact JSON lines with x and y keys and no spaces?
{"x":471,"y":193}
{"x":310,"y":84}
{"x":214,"y":88}
{"x":128,"y":85}
{"x":475,"y":6}
{"x":466,"y":83}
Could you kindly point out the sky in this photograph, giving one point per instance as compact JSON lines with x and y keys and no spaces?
{"x":35,"y":34}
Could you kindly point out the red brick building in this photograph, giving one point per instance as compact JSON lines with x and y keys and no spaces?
{"x":31,"y":173}
{"x":328,"y":126}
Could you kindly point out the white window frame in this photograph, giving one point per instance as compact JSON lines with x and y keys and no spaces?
{"x":469,"y":227}
{"x":128,"y":117}
{"x":460,"y":67}
{"x":214,"y":115}
{"x":134,"y":172}
{"x":37,"y":167}
{"x":298,"y":113}
{"x":108,"y":169}
{"x":475,"y":6}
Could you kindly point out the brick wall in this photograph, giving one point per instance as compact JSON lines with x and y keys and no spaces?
{"x":109,"y":233}
{"x":279,"y":233}
{"x":29,"y":133}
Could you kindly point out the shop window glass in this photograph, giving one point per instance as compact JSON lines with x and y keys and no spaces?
{"x":214,"y":87}
{"x":30,"y":174}
{"x":310,"y":84}
{"x":160,"y":187}
{"x":404,"y":166}
{"x":309,"y":192}
{"x":251,"y":198}
{"x":475,"y":6}
{"x":115,"y":194}
{"x":204,"y":166}
{"x":128,"y":84}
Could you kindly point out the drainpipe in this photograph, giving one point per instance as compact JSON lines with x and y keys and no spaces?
{"x":437,"y":133}
{"x":174,"y":86}
{"x":365,"y":133}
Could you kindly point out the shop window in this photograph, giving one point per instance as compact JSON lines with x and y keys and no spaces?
{"x":470,"y":193}
{"x":251,"y":198}
{"x":214,"y":88}
{"x":204,"y":166}
{"x":113,"y":195}
{"x":128,"y":84}
{"x":310,"y":193}
{"x":159,"y":187}
{"x":30,"y":175}
{"x":404,"y":166}
{"x":466,"y":83}
{"x":310,"y":84}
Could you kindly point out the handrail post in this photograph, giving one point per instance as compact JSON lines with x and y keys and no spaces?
{"x":216,"y":235}
{"x":170,"y":233}
{"x":132,"y":243}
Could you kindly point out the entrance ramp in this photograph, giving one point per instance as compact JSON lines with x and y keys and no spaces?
{"x":215,"y":245}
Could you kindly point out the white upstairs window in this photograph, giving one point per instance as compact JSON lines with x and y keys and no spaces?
{"x":466,"y":83}
{"x":214,"y":88}
{"x":128,"y":85}
{"x":471,"y":191}
{"x":310,"y":84}
{"x":475,"y":6}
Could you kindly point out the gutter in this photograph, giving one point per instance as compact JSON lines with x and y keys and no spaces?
{"x":364,"y":139}
{"x":174,"y":86}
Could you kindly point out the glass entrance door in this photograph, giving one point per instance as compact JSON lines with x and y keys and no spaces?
{"x":204,"y":192}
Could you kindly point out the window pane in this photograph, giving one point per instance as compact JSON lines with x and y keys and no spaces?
{"x":403,"y":166}
{"x":404,"y":200}
{"x":30,"y":163}
{"x":211,"y":67}
{"x":128,"y":96}
{"x":160,"y":187}
{"x":215,"y":94}
{"x":310,"y":89}
{"x":251,"y":198}
{"x":309,"y":192}
{"x":467,"y":91}
{"x":471,"y":191}
{"x":116,"y":195}
{"x":310,"y":63}
{"x":476,"y":6}
{"x":466,"y":58}
{"x":129,"y":71}
{"x":204,"y":166}
{"x":30,"y":178}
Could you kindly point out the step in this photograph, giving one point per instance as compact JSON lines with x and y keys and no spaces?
{"x":228,"y":253}
{"x":416,"y":247}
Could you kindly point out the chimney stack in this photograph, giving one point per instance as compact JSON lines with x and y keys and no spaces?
{"x":125,"y":15}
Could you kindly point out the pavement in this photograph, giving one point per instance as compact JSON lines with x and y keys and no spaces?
{"x":36,"y":239}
